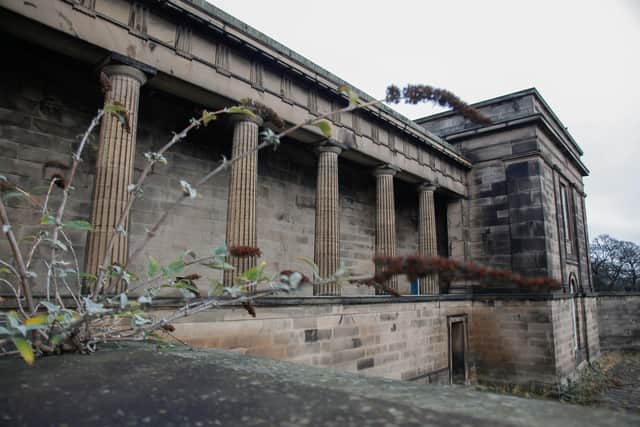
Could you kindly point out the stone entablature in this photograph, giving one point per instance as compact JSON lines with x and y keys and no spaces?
{"x":220,"y":61}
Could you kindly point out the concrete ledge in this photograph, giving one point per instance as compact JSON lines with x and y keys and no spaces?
{"x":139,"y":385}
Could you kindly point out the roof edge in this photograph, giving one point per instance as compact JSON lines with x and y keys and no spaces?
{"x":260,"y":37}
{"x":529,"y":91}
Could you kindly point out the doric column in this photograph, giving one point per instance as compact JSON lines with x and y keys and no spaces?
{"x":327,"y":236}
{"x":385,"y":216}
{"x":241,"y":205}
{"x":114,"y":166}
{"x":427,"y":243}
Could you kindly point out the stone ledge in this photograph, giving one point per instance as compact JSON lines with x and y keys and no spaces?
{"x":137,"y":384}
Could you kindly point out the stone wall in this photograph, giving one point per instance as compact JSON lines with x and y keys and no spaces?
{"x":43,"y":108}
{"x":619,"y":320}
{"x":593,"y":326}
{"x":506,"y":215}
{"x":564,"y":336}
{"x":511,"y":340}
{"x":393,"y":340}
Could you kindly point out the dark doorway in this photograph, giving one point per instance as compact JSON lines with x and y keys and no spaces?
{"x":442,"y":236}
{"x":458,"y":349}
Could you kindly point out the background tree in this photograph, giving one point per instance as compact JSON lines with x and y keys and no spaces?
{"x":615,"y":264}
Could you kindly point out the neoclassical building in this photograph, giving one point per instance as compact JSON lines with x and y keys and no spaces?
{"x":508,"y":195}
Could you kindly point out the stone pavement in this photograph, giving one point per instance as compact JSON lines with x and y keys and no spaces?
{"x":139,"y":385}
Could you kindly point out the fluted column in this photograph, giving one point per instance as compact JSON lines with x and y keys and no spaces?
{"x":427,"y":243}
{"x":241,"y":205}
{"x":327,"y":234}
{"x":114,"y":166}
{"x":385,"y":216}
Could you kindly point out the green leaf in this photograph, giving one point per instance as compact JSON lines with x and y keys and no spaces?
{"x":118,"y":111}
{"x":221,"y":251}
{"x":112,"y":108}
{"x":314,"y":267}
{"x":208,"y":117}
{"x":56,"y":340}
{"x":13,"y":319}
{"x":79,"y":224}
{"x":324,"y":126}
{"x":187,"y":285}
{"x":218,"y":265}
{"x":90,"y":278}
{"x":37,"y":320}
{"x":174,"y":268}
{"x":56,"y":243}
{"x":24,"y":347}
{"x":255,"y":274}
{"x":270,"y":137}
{"x":93,"y":307}
{"x":4,"y":270}
{"x":4,"y":331}
{"x":153,"y":267}
{"x":216,"y":289}
{"x":155,"y":157}
{"x":51,"y":308}
{"x":47,"y":220}
{"x":237,"y":109}
{"x":144,"y":299}
{"x":124,"y":300}
{"x":353,"y":96}
{"x":190,"y":253}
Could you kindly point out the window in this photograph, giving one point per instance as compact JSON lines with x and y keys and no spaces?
{"x":568,"y":218}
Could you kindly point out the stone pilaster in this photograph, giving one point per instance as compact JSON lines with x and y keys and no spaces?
{"x":327,"y":233}
{"x":385,"y":216}
{"x":114,"y":167}
{"x":427,"y":243}
{"x":241,"y":205}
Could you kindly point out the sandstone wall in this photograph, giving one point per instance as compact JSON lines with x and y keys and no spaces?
{"x":511,"y":341}
{"x":619,"y":319}
{"x":393,"y":340}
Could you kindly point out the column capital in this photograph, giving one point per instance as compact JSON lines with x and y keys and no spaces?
{"x":239,"y":118}
{"x":385,"y":170}
{"x":125,"y":70}
{"x":328,"y":147}
{"x":427,"y":186}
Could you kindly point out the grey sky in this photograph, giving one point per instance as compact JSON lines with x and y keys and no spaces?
{"x":583,"y":56}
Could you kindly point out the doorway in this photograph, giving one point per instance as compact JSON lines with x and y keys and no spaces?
{"x":458,"y":349}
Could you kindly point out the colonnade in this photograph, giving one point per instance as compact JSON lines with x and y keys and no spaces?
{"x":114,"y":173}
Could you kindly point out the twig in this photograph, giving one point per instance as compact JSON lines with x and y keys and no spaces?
{"x":17,"y":254}
{"x":225,"y":164}
{"x":16,"y":294}
{"x":77,"y":158}
{"x":177,"y":137}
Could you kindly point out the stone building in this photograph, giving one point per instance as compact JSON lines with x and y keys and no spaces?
{"x":508,"y":194}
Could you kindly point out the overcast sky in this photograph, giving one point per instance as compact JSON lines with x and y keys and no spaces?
{"x":583,"y":56}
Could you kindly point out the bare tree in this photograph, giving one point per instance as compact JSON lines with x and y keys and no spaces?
{"x":615,"y":264}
